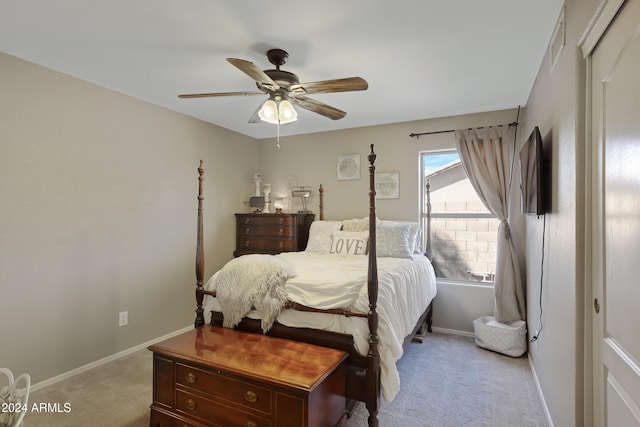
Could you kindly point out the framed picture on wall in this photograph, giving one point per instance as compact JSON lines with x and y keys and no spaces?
{"x":387,"y":185}
{"x":349,"y":166}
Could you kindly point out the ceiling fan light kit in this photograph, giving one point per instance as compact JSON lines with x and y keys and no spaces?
{"x":284,"y":90}
{"x":277,"y":111}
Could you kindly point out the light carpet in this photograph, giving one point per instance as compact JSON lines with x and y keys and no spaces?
{"x":445,"y":382}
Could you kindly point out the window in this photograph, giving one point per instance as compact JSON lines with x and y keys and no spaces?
{"x":461,"y":232}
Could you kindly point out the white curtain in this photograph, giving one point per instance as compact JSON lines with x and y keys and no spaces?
{"x":487,"y":157}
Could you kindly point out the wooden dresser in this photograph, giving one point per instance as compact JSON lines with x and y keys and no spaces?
{"x":265,"y":233}
{"x":213,"y":376}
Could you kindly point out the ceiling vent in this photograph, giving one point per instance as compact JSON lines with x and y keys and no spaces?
{"x":557,"y":41}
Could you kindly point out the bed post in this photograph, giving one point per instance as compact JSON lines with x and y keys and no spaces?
{"x":427,"y":250}
{"x":199,"y":255}
{"x":321,"y":204}
{"x":373,"y":357}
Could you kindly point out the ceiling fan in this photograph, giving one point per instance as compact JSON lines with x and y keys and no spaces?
{"x":284,"y":88}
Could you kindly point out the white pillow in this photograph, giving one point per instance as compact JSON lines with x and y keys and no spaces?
{"x":415,"y":234}
{"x":350,"y":243}
{"x":393,"y":241}
{"x":321,"y":235}
{"x":356,"y":224}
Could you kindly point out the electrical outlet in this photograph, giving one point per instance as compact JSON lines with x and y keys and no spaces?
{"x":123,"y":318}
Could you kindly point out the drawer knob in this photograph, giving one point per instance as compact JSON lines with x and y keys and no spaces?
{"x":281,"y":232}
{"x":250,"y":396}
{"x":191,"y":404}
{"x":246,"y":244}
{"x":191,"y":378}
{"x":246,"y":220}
{"x":247,"y":231}
{"x":250,"y":424}
{"x":281,"y":220}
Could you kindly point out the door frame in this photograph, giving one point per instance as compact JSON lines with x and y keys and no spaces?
{"x":597,"y":27}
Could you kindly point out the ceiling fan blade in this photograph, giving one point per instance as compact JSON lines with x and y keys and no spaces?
{"x":318,"y":107}
{"x":329,"y":86}
{"x":254,"y":72}
{"x":209,"y":95}
{"x":255,"y":118}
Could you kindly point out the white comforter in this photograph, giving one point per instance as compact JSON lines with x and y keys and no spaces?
{"x":405,"y":288}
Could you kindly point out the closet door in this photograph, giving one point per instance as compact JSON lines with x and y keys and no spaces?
{"x":615,"y":216}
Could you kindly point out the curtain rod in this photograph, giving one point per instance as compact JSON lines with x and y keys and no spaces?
{"x":417,"y":135}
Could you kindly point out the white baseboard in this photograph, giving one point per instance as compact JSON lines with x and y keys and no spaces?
{"x":539,"y":388}
{"x":453,"y":332}
{"x":123,"y":353}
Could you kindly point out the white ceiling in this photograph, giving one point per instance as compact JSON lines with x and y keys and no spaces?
{"x":421,"y":58}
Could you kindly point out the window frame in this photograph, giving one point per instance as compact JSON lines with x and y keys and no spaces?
{"x":424,"y":213}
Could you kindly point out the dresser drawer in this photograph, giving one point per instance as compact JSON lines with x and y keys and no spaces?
{"x":216,"y":413}
{"x":269,"y":220}
{"x":263,"y":231}
{"x":267,"y":233}
{"x":235,"y":391}
{"x":266,"y":245}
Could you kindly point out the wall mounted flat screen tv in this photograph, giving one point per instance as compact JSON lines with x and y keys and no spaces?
{"x":531,"y":175}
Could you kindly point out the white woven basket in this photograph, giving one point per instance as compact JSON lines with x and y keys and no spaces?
{"x":505,"y":338}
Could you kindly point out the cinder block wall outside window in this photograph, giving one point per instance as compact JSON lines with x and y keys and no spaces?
{"x":462,"y":248}
{"x":465,"y":249}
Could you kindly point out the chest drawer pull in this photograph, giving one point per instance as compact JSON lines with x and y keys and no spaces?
{"x":250,"y":396}
{"x":281,"y":232}
{"x":191,"y":378}
{"x":190,"y":404}
{"x":250,"y":424}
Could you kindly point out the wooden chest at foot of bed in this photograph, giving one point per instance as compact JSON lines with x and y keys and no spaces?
{"x":271,"y":233}
{"x":213,"y":376}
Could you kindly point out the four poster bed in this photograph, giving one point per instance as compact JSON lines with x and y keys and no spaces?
{"x":367,"y":303}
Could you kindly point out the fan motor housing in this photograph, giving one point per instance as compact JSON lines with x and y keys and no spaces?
{"x":284,"y":79}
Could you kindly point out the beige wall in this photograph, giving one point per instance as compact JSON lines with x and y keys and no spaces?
{"x":312,"y":160}
{"x":98,"y":215}
{"x":557,"y":106}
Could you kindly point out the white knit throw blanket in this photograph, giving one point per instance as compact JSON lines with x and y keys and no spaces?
{"x":253,"y":281}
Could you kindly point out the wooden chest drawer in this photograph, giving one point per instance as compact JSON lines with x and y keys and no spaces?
{"x":238,"y":392}
{"x":215,"y":412}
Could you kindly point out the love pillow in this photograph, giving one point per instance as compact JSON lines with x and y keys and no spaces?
{"x":349,"y":243}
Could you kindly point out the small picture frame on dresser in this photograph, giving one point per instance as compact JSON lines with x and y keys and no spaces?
{"x":256,"y":203}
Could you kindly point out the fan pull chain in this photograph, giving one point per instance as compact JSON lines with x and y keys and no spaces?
{"x":278,"y":112}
